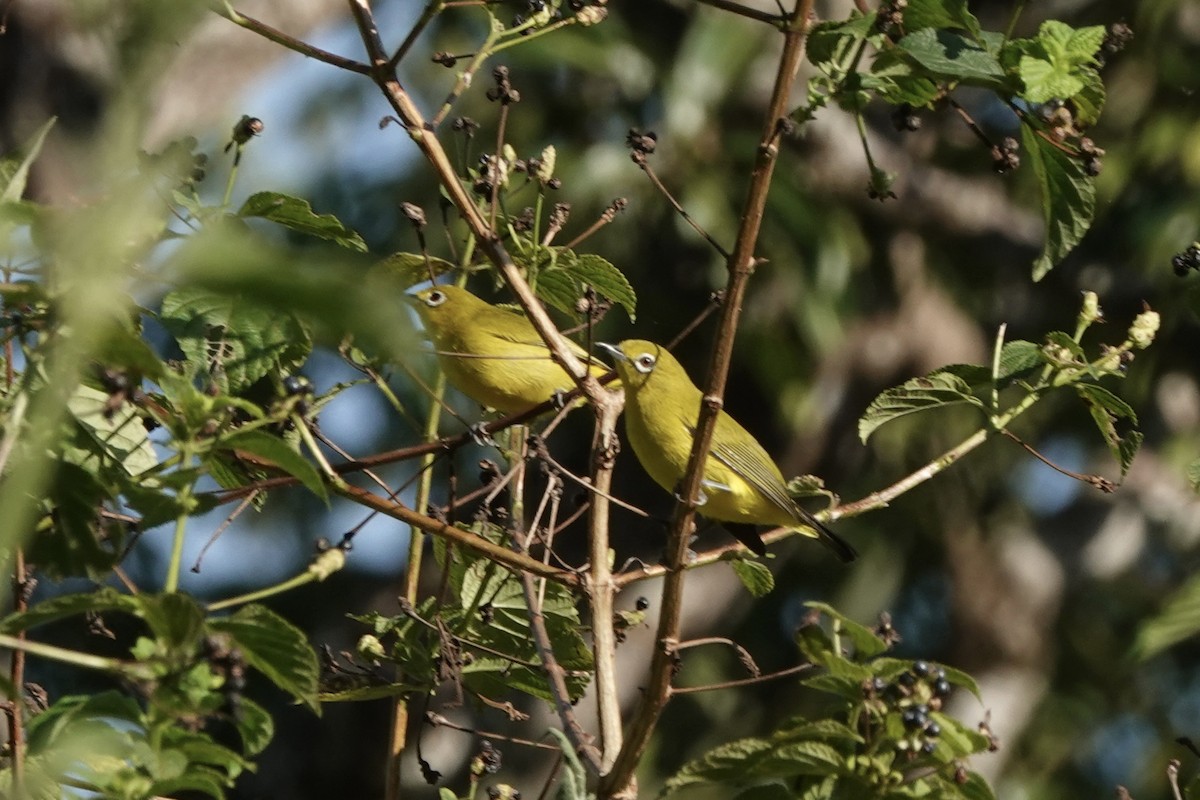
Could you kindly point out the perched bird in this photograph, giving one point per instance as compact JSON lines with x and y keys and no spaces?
{"x":490,"y":354}
{"x":741,"y":483}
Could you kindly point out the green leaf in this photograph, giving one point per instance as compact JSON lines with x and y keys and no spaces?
{"x":446,"y":794}
{"x":14,"y":170}
{"x":824,"y":730}
{"x":279,"y":452}
{"x":831,"y":43}
{"x":605,"y":278}
{"x":1193,"y":475}
{"x":1089,"y":100}
{"x":173,"y":618}
{"x":235,"y":340}
{"x":866,"y":643}
{"x":917,"y":394}
{"x":805,"y":757}
{"x":754,"y":575}
{"x":1106,"y":408}
{"x":1054,"y":63}
{"x":255,"y":725}
{"x":1068,"y":199}
{"x":103,"y":599}
{"x":1018,"y":357}
{"x":276,"y":648}
{"x":78,"y":541}
{"x":896,"y":79}
{"x":958,"y":739}
{"x":838,"y":685}
{"x":296,"y":214}
{"x":726,"y":763}
{"x":409,"y":269}
{"x":920,"y":14}
{"x":953,"y":57}
{"x":574,"y":779}
{"x":332,"y":292}
{"x":558,"y":289}
{"x":1178,"y":621}
{"x":976,"y":788}
{"x":766,"y":791}
{"x":117,"y":431}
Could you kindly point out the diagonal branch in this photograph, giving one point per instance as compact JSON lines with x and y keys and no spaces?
{"x":384,"y":75}
{"x":555,"y":675}
{"x":620,"y":782}
{"x":518,"y":562}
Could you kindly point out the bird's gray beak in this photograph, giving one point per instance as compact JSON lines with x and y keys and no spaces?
{"x":613,"y":351}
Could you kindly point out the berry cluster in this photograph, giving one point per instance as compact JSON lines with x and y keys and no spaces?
{"x":915,"y":695}
{"x":1005,"y":157}
{"x":1188,"y":260}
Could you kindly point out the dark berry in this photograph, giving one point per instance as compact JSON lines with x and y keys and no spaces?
{"x":294,"y":385}
{"x":907,"y":680}
{"x":941,"y":688}
{"x":642,"y":604}
{"x":933,"y":730}
{"x":920,"y":668}
{"x":913,"y":719}
{"x":928,"y":748}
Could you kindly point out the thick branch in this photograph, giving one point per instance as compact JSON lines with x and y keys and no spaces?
{"x":620,"y":782}
{"x":602,"y":589}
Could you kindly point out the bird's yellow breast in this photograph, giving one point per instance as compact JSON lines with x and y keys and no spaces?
{"x":497,"y":372}
{"x":660,"y":436}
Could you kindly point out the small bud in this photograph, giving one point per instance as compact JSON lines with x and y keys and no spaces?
{"x":1091,"y":309}
{"x":591,"y":15}
{"x":369,"y":647}
{"x":247,"y":128}
{"x":414,"y":213}
{"x":1141,"y":333}
{"x":546,"y":164}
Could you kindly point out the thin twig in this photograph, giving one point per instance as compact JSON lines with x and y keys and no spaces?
{"x":436,"y":719}
{"x":711,"y":687}
{"x":431,"y":10}
{"x":743,"y":11}
{"x":714,"y":303}
{"x":640,"y":160}
{"x":290,"y":42}
{"x":517,"y":562}
{"x":216,"y":534}
{"x":1103,"y":484}
{"x":555,"y":676}
{"x":609,"y":214}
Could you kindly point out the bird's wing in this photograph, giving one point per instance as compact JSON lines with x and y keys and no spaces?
{"x":533,"y":340}
{"x":754,"y":465}
{"x":755,"y":471}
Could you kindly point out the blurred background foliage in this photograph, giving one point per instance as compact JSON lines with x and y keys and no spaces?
{"x":1033,"y":582}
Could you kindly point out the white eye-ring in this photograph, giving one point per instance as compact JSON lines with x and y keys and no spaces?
{"x":644,"y":363}
{"x":435,"y":298}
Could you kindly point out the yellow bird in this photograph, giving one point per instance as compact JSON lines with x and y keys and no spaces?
{"x":741,"y":483}
{"x":492,"y":355}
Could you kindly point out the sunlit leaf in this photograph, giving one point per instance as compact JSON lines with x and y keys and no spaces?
{"x":917,"y":394}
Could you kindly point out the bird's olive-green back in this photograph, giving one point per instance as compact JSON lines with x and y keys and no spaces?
{"x":661,"y":408}
{"x":490,"y":354}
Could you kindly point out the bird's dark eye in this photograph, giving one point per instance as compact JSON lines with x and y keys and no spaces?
{"x":644,"y":363}
{"x":435,"y":299}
